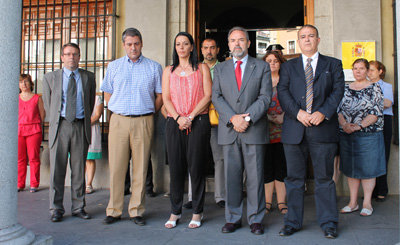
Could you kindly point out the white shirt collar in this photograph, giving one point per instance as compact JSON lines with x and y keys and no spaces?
{"x":314,"y":61}
{"x":244,"y":59}
{"x":314,"y":57}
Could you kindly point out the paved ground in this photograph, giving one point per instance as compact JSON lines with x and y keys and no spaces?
{"x":381,"y":228}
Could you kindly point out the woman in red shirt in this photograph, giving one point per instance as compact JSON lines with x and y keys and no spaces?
{"x":30,"y":117}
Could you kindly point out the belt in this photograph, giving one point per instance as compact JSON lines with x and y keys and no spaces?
{"x":75,"y":120}
{"x":142,"y":115}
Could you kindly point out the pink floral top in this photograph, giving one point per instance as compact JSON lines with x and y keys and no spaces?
{"x":186,"y":92}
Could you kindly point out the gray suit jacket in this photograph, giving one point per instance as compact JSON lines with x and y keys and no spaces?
{"x":52,"y":96}
{"x":253,"y":98}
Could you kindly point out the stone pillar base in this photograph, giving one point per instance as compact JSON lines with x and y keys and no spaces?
{"x":43,"y":240}
{"x":17,"y":234}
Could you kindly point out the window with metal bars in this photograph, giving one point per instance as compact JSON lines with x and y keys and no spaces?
{"x":49,"y":24}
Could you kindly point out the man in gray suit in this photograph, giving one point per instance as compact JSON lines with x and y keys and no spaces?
{"x":241,"y":94}
{"x":69,"y":97}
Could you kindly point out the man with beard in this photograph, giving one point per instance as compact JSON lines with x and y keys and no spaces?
{"x":210,"y":50}
{"x":241,"y":94}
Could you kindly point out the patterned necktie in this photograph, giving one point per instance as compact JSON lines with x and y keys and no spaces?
{"x":238,"y":74}
{"x":70,"y":111}
{"x":309,"y":85}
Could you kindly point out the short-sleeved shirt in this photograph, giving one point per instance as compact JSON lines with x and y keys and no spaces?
{"x":358,"y":104}
{"x":387,"y":94}
{"x":132,"y":85}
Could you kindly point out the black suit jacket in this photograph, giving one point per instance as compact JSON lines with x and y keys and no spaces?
{"x":328,"y":91}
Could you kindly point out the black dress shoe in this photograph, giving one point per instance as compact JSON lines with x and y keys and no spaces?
{"x":139,"y":220}
{"x":110,"y":219}
{"x":287,"y":230}
{"x":221,"y":204}
{"x":331,"y":233}
{"x":150,"y":194}
{"x":188,"y":205}
{"x":56,"y":217}
{"x":231,"y":227}
{"x":257,"y":228}
{"x":81,"y":214}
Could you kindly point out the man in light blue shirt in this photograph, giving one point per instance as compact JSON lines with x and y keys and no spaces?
{"x":132,"y":90}
{"x":68,"y":98}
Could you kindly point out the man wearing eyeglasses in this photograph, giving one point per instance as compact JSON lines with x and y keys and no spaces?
{"x":69,"y":97}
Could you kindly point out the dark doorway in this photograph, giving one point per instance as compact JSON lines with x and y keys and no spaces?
{"x":217,"y":17}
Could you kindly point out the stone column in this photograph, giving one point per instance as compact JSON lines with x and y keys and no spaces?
{"x":397,"y":46}
{"x":10,"y":41}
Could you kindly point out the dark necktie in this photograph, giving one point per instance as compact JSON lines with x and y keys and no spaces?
{"x":238,"y":74}
{"x":309,"y":85}
{"x":70,"y":111}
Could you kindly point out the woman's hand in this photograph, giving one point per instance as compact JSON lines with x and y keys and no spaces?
{"x":279,"y":118}
{"x":350,"y":128}
{"x":184,"y":123}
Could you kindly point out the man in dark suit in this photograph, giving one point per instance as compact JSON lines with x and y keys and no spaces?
{"x":241,"y":94}
{"x":310,"y":89}
{"x":69,"y":97}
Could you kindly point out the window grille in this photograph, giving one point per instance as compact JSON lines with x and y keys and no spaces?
{"x":49,"y":24}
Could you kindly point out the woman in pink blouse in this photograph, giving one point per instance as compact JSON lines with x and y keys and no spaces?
{"x":30,"y":117}
{"x":186,"y":91}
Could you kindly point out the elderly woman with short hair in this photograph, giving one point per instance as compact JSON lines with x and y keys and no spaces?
{"x":361,"y":138}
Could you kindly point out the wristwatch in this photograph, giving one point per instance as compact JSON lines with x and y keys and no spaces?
{"x":247,"y":118}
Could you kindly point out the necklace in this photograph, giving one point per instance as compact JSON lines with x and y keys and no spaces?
{"x":183,"y":73}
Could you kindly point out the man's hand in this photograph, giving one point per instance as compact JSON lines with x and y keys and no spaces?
{"x":304,"y":117}
{"x":316,"y":118}
{"x":239,"y":124}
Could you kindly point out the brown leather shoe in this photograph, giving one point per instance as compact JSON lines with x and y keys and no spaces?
{"x":257,"y":228}
{"x":231,"y":227}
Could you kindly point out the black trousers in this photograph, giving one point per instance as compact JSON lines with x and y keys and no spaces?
{"x":187,"y":150}
{"x":322,"y":155}
{"x":381,"y":186}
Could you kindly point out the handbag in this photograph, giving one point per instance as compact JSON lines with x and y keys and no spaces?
{"x":213,"y":115}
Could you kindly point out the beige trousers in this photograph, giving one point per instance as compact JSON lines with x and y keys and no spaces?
{"x":126,"y":134}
